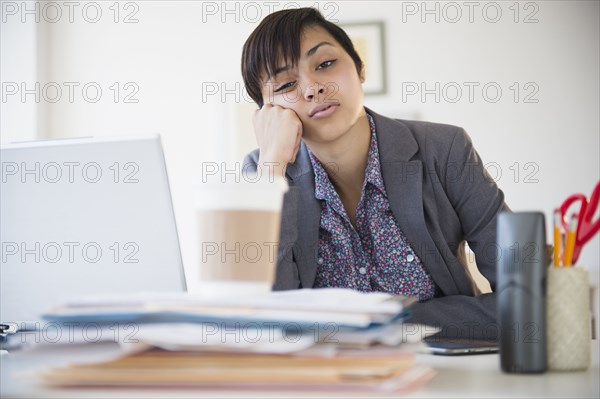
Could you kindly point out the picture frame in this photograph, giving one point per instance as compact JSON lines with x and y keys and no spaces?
{"x":368,"y":39}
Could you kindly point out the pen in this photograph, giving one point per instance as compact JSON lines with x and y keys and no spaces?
{"x":570,"y":245}
{"x":557,"y":237}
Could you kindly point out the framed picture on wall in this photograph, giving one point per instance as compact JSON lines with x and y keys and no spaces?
{"x":369,"y":41}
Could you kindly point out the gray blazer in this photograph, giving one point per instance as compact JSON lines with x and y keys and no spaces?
{"x":439,"y":193}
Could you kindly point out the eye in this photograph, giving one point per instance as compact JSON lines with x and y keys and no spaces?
{"x":284,"y":86}
{"x":326,"y":64}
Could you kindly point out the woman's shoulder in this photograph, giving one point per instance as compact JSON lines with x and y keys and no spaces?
{"x":429,"y":139}
{"x":428,"y":128}
{"x":419,"y":129}
{"x":437,"y":136}
{"x":251,"y":159}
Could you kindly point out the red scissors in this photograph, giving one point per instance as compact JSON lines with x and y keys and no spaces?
{"x":586,"y":228}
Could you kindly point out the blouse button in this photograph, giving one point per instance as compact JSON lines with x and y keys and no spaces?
{"x":362,"y":270}
{"x":320,"y":261}
{"x":410,"y":258}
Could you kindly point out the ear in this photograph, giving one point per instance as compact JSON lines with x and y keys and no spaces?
{"x":362,"y":74}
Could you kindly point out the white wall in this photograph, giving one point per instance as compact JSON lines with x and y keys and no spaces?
{"x":178,"y":48}
{"x":18,"y":63}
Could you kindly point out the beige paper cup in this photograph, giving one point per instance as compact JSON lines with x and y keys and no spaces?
{"x":568,"y":319}
{"x":238,"y":220}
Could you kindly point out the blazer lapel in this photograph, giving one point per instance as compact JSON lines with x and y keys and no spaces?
{"x":403,"y":181}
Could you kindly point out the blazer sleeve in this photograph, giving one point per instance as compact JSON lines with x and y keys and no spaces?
{"x":477,"y":201}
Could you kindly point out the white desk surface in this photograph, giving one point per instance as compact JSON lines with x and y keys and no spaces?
{"x":473,"y":376}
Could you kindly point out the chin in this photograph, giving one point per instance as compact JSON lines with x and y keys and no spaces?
{"x":330,"y":129}
{"x":324,"y":134}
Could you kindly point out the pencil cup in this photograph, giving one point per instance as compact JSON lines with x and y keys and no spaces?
{"x":568,"y":319}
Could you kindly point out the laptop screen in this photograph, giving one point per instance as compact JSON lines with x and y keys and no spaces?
{"x":84,"y":216}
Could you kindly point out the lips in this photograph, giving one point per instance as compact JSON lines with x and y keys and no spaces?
{"x":323,"y":110}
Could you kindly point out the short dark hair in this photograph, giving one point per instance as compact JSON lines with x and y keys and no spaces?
{"x":278,"y":37}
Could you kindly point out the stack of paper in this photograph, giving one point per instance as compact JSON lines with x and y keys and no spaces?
{"x":342,"y":307}
{"x":373,"y":370}
{"x":298,"y":340}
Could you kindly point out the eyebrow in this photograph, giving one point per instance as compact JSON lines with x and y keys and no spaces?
{"x":308,"y":54}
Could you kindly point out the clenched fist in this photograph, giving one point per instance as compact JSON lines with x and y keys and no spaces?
{"x":278,"y":132}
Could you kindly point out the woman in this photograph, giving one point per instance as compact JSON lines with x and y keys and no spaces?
{"x":375,"y":204}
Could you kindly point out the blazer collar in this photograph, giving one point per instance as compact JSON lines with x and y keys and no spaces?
{"x":396,"y":143}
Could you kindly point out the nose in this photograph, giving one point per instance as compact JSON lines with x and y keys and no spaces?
{"x":314,"y":92}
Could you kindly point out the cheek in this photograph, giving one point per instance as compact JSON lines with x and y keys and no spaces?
{"x":346,"y":84}
{"x":352,"y":81}
{"x":288,"y":99}
{"x":333,"y":90}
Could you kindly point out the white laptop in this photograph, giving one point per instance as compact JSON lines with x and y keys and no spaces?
{"x":84,"y":216}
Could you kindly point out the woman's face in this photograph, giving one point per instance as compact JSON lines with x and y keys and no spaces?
{"x":325,"y":76}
